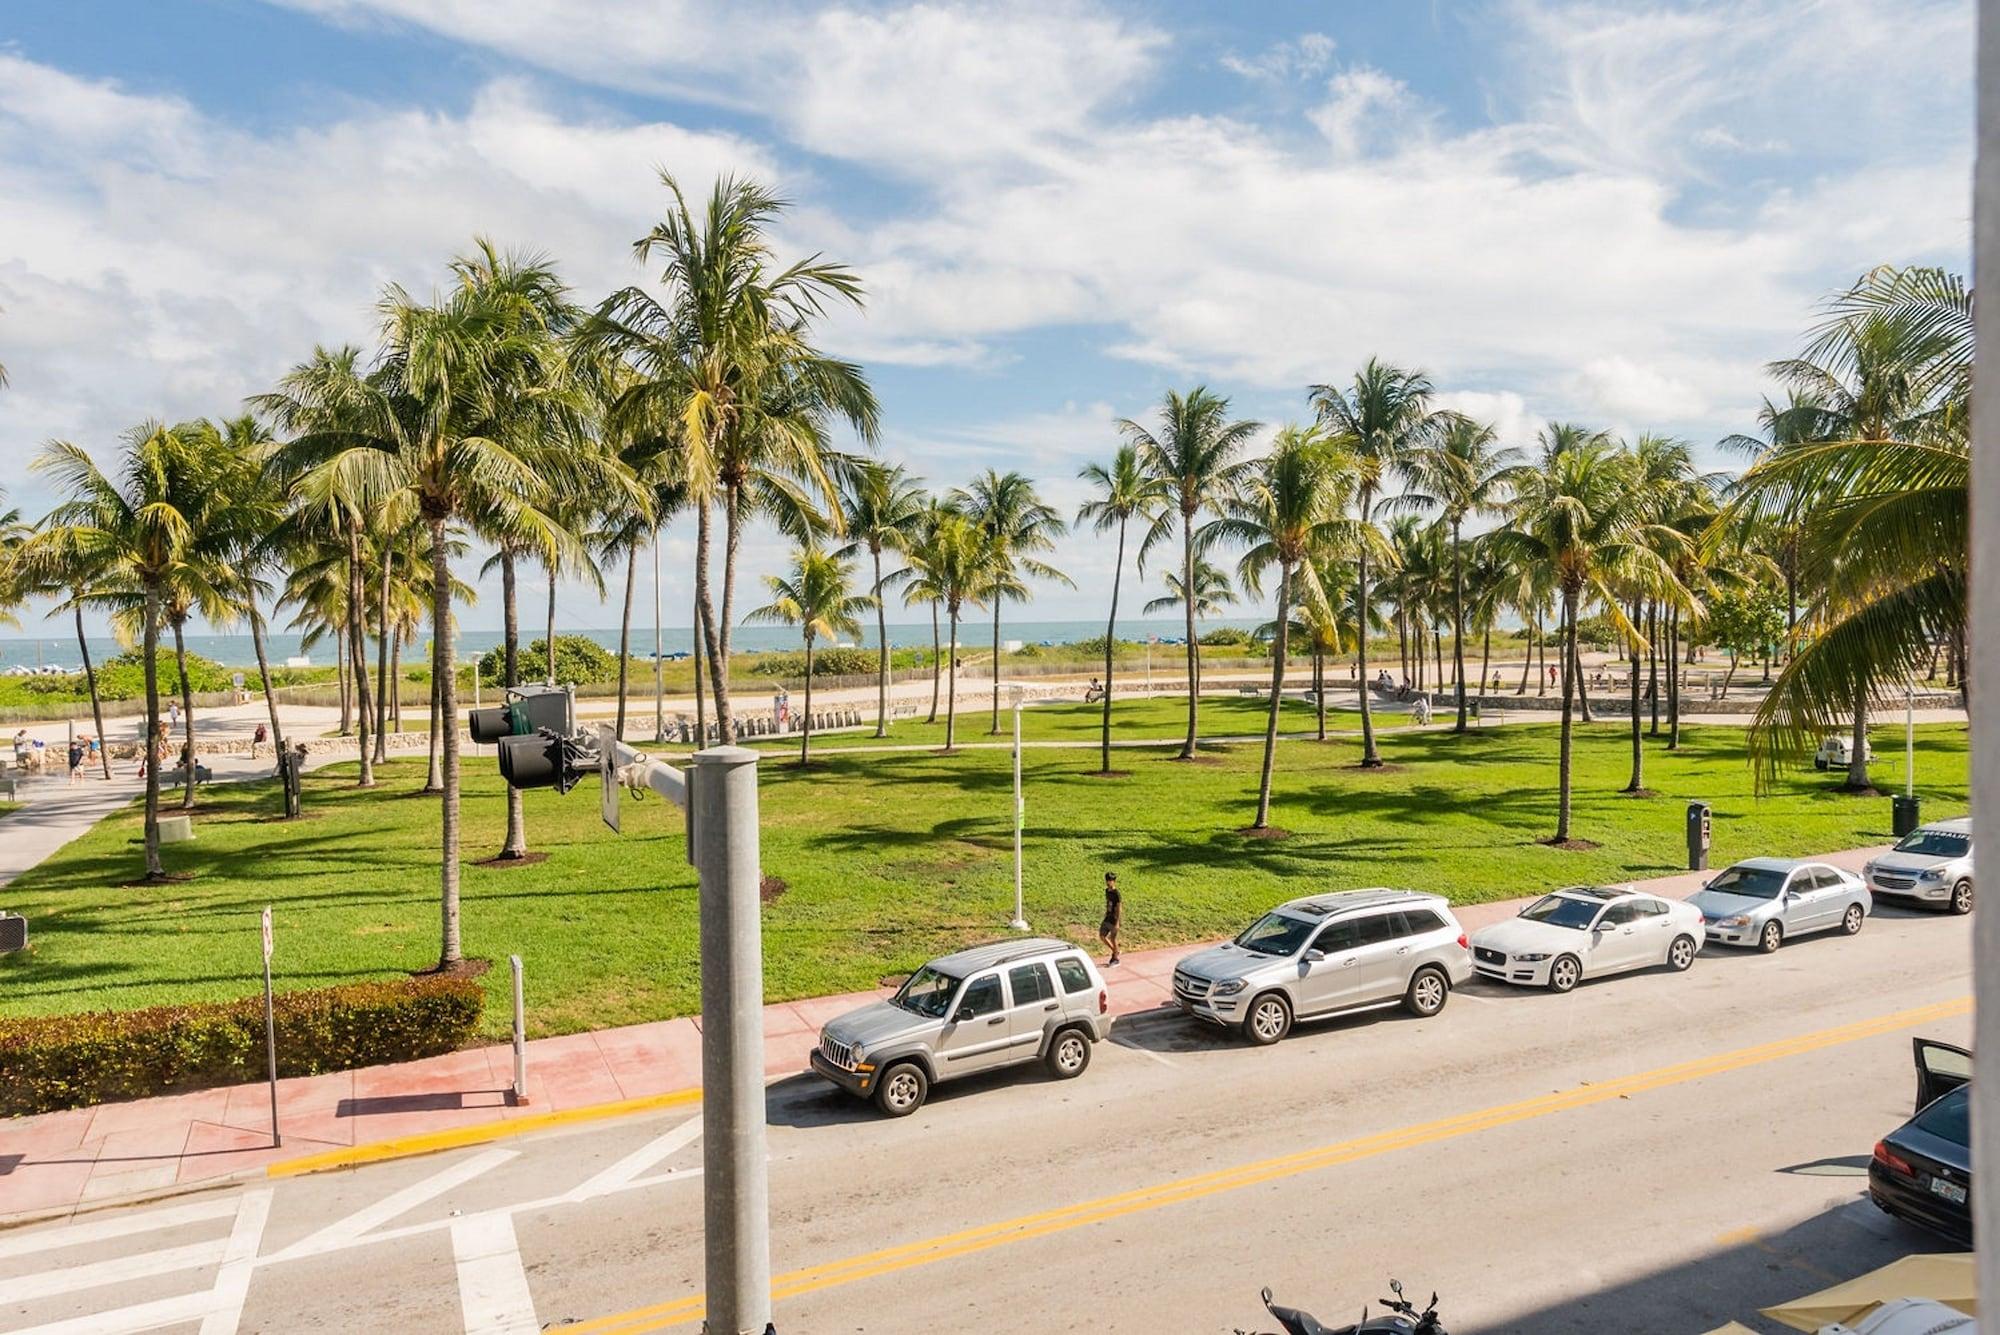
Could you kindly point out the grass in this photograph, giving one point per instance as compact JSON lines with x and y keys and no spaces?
{"x":886,"y":859}
{"x":7,"y":808}
{"x":1160,"y":719}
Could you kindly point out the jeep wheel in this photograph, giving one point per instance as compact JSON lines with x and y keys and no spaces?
{"x":1068,"y":1055}
{"x":1961,"y":898}
{"x":1429,"y":990}
{"x":1270,"y":1019}
{"x":902,"y":1090}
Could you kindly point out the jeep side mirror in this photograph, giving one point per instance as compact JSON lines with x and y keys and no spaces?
{"x":966,"y":1013}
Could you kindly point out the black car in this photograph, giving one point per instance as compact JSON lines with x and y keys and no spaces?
{"x":1922,"y":1171}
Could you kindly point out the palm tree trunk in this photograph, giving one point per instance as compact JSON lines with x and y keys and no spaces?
{"x":1638,"y":782}
{"x":1653,"y":664}
{"x":882,"y":647}
{"x":1193,"y":662}
{"x":549,"y":635}
{"x":516,"y":845}
{"x":1485,"y":657}
{"x":1370,"y":757}
{"x":725,"y":717}
{"x":1857,"y":752}
{"x":340,"y":675}
{"x":704,"y":621}
{"x":382,"y":660}
{"x":443,"y":674}
{"x":150,"y":748}
{"x":1458,"y":625}
{"x":700,"y":686}
{"x":90,"y":679}
{"x":625,"y":634}
{"x":357,"y":638}
{"x":951,"y":684}
{"x":1403,"y":647}
{"x":1437,"y":654}
{"x":1576,"y":660}
{"x":937,"y":662}
{"x":1527,"y":658}
{"x":806,"y":733}
{"x":434,"y":774}
{"x":1319,"y":690}
{"x":1568,"y":633}
{"x":1277,"y":696}
{"x":1111,"y":630}
{"x":187,"y":718}
{"x":396,"y":681}
{"x":995,"y":729}
{"x":1673,"y":679}
{"x":1542,"y":644}
{"x":270,"y":696}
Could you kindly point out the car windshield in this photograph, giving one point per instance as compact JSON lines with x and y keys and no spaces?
{"x":1750,"y":882}
{"x":1276,"y":934}
{"x":1935,"y":844}
{"x":1562,"y":911}
{"x":927,"y":992}
{"x":1947,"y":1117}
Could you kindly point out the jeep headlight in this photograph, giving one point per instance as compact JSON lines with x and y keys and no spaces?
{"x":858,"y":1052}
{"x":1531,"y":959}
{"x":1230,"y":988}
{"x":1931,"y":874}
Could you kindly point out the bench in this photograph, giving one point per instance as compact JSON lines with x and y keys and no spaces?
{"x":7,"y":788}
{"x":202,"y":774}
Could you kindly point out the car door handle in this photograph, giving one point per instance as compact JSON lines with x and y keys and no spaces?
{"x":1347,"y":963}
{"x":1053,"y":1005}
{"x":998,"y":1019}
{"x":1402,"y":950}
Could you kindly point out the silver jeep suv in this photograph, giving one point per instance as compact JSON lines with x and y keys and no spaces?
{"x":1326,"y":954}
{"x":978,"y":1010}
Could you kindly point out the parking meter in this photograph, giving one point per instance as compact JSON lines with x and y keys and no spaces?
{"x":1698,"y":832}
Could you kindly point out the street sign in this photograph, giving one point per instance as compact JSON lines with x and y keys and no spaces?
{"x":267,"y":934}
{"x":607,"y":770}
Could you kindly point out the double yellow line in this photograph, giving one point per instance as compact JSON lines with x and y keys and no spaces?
{"x":986,"y":1236}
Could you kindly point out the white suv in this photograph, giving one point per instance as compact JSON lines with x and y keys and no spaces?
{"x":1326,"y":954}
{"x":1932,"y":864}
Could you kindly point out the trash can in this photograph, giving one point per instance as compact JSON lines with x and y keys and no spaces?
{"x":1904,"y":816}
{"x":1698,"y":835}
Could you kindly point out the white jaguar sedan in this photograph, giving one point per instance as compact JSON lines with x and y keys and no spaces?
{"x":1587,"y":931}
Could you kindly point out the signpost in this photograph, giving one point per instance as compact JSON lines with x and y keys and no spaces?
{"x":1020,"y":923}
{"x":270,"y":1030}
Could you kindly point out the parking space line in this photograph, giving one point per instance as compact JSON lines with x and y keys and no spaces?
{"x":638,"y":1161}
{"x":154,"y":1315}
{"x":232,"y":1281}
{"x":492,"y":1285}
{"x":343,"y":1231}
{"x":118,"y":1270}
{"x":26,"y":1243}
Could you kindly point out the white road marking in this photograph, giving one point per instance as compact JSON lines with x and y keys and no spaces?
{"x":672,"y":1175}
{"x":115,"y":1226}
{"x":117,"y":1270}
{"x":232,"y":1281}
{"x":1148,"y":1052}
{"x":155,"y":1315}
{"x":492,"y":1286}
{"x":639,"y":1160}
{"x":344,"y":1231}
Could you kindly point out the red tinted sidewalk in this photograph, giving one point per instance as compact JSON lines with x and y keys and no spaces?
{"x":59,"y":1162}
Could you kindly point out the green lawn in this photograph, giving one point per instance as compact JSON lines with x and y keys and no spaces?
{"x":6,"y":807}
{"x":1163,"y":718}
{"x":886,"y":860}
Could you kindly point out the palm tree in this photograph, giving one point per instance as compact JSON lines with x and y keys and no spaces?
{"x":727,"y":355}
{"x":818,"y":598}
{"x":75,"y":576}
{"x":1193,"y":455}
{"x":1015,"y":522}
{"x":128,"y":528}
{"x":1290,"y":508}
{"x":1876,"y":451}
{"x":1125,"y":491}
{"x":13,"y":584}
{"x":949,"y":569}
{"x":919,"y":557}
{"x":884,"y":510}
{"x":1577,"y":513}
{"x":1462,"y":472}
{"x":424,"y":419}
{"x":1383,"y":417}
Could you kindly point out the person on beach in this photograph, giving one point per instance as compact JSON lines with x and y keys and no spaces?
{"x":1114,"y":915}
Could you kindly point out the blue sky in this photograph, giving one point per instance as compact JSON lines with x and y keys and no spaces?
{"x":1614,"y":213}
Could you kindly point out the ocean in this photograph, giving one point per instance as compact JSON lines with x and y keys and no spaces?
{"x":237,"y":651}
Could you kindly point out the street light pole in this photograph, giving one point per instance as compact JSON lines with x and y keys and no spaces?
{"x":659,"y":672}
{"x":1909,"y":741}
{"x":1020,"y":923}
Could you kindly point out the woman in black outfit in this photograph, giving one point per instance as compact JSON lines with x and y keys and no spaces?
{"x":1114,"y":912}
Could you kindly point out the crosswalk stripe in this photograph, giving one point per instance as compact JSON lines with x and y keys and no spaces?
{"x":343,"y":1231}
{"x":118,"y":1270}
{"x":114,"y":1226}
{"x":638,"y":1161}
{"x":232,"y":1282}
{"x":492,"y":1286}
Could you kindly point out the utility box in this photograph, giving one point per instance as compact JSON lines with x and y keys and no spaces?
{"x":1698,"y":835}
{"x":1904,"y":815}
{"x":13,"y":933}
{"x":176,"y":829}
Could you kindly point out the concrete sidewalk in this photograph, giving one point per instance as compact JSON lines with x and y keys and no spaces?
{"x":57,"y":1163}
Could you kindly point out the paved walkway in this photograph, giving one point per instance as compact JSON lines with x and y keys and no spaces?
{"x":61,"y":1162}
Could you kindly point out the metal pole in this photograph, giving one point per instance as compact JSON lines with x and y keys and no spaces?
{"x":659,"y":672}
{"x":520,"y":1035}
{"x":1910,"y":741}
{"x":736,"y":1203}
{"x":1984,"y":606}
{"x":1020,"y":923}
{"x":270,"y":1030}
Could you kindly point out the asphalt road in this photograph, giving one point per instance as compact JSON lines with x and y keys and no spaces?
{"x":1652,"y":1153}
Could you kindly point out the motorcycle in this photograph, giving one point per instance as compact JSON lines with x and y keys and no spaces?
{"x":1402,"y":1318}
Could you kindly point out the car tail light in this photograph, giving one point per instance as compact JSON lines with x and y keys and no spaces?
{"x":1462,"y":942}
{"x":1103,"y":1001}
{"x":1890,"y":1160}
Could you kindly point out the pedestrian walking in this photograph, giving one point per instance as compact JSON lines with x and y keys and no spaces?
{"x":76,"y":754}
{"x":173,"y":714}
{"x":1114,"y":915}
{"x":21,"y":749}
{"x":257,"y":739}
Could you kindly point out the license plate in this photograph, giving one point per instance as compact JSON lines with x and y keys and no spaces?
{"x":1950,"y":1191}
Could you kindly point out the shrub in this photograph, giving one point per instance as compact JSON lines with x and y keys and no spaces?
{"x":826,"y":663}
{"x":1227,"y":637}
{"x":579,"y":660}
{"x":66,"y":1061}
{"x":124,"y":678}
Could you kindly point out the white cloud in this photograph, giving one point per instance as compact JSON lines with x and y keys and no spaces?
{"x":1299,"y":58}
{"x":1366,"y":108}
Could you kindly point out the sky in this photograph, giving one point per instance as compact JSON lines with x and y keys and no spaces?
{"x":1609,"y":213}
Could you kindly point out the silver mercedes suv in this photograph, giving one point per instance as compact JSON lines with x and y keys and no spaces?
{"x":1326,"y":954}
{"x":991,"y":1006}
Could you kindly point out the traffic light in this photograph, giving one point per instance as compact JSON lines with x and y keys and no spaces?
{"x":531,"y":709}
{"x":546,"y":759}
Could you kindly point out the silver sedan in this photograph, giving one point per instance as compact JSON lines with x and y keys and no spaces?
{"x":1764,"y":902}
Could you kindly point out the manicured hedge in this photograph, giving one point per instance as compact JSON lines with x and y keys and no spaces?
{"x":67,"y":1061}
